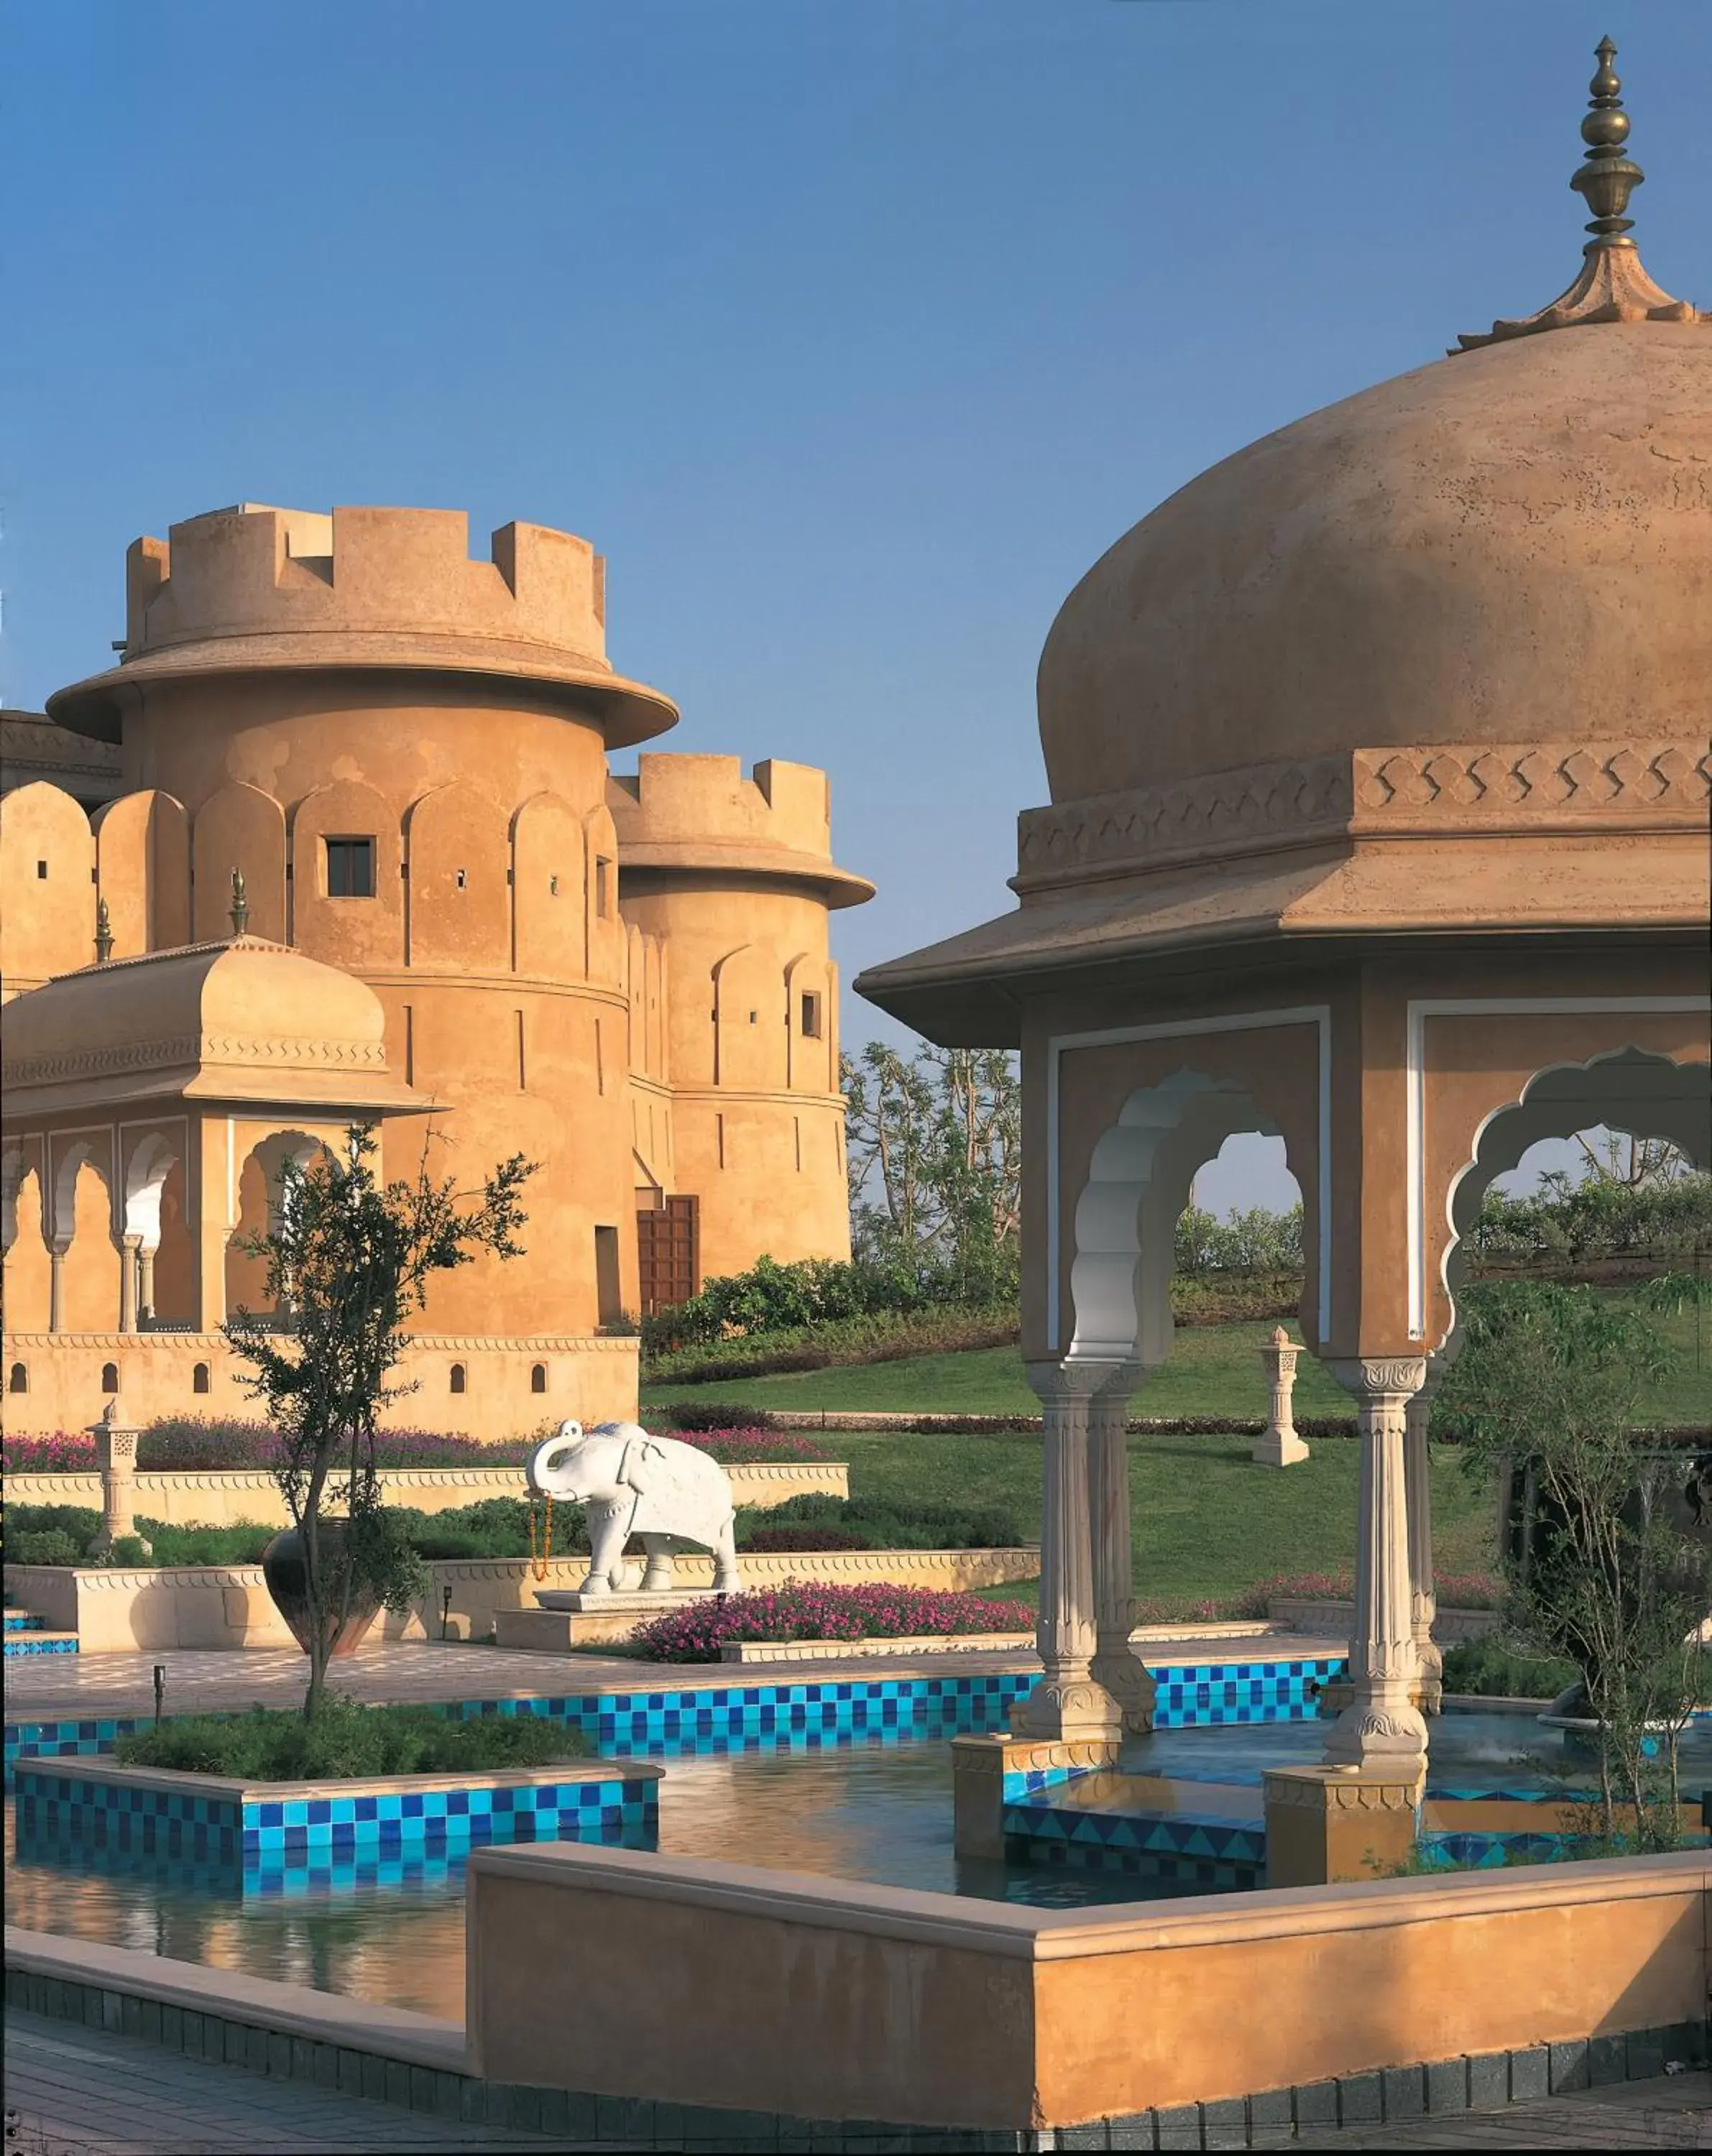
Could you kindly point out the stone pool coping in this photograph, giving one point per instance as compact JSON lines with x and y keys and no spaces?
{"x":225,"y":1789}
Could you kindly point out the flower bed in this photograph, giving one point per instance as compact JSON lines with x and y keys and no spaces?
{"x":806,"y":1611}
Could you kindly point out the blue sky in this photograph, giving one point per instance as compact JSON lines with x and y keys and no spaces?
{"x":851,"y":330}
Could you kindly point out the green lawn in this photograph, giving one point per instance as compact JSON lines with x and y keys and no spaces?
{"x":1213,"y":1370}
{"x":1207,"y":1521}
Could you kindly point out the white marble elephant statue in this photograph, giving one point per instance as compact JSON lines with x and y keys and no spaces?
{"x":633,"y":1484}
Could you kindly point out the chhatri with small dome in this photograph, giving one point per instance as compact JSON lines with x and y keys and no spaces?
{"x":1380,"y":774}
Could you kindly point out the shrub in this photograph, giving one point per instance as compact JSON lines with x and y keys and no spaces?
{"x":47,"y":1546}
{"x":809,"y":1611}
{"x":348,"y":1741}
{"x":880,"y":1525}
{"x":763,"y":1540}
{"x":688,"y":1419}
{"x":1497,"y":1667}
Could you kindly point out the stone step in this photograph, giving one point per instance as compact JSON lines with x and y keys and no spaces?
{"x":39,"y":1641}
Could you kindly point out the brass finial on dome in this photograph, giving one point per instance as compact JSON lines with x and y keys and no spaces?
{"x":1612,"y":286}
{"x":240,"y":904}
{"x":104,"y":933}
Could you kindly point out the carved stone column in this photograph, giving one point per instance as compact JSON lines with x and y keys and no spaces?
{"x":1279,"y":1444}
{"x":1116,"y":1666}
{"x":146,"y":1283}
{"x":1068,"y":1702}
{"x":1381,"y":1725}
{"x":1417,"y":1487}
{"x":130,"y":1253}
{"x":56,"y":1287}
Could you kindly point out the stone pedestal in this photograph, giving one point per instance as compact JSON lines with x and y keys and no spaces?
{"x":116,"y":1457}
{"x":978,"y":1767}
{"x":566,"y":1617}
{"x":1328,"y":1824}
{"x":1279,"y":1444}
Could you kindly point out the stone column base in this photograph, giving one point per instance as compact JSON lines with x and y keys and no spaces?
{"x":1273,"y":1449}
{"x":1328,"y":1824}
{"x":979,"y":1765}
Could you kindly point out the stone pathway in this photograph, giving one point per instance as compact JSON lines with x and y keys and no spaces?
{"x":1673,"y":2113}
{"x":203,"y":1679}
{"x":75,"y":2091}
{"x":84,"y":2093}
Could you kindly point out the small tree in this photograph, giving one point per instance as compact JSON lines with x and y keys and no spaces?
{"x":1604,"y":1573}
{"x":350,"y":1260}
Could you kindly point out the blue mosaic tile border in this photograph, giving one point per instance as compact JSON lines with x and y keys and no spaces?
{"x":1205,"y":1874}
{"x":709,"y":1719}
{"x":26,"y":1643}
{"x":291,"y":1833}
{"x":714,"y":1719}
{"x":1205,"y":1695}
{"x":1036,"y":1829}
{"x":24,"y":1620}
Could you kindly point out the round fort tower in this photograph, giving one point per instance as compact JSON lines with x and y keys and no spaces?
{"x":733,"y":878}
{"x":402,"y":750}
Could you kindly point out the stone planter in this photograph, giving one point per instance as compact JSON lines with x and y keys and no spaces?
{"x":283,"y":1571}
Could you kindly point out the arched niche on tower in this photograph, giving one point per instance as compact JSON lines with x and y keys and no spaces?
{"x":240,"y":827}
{"x":47,"y":901}
{"x":458,"y":908}
{"x":646,"y":976}
{"x":142,"y":871}
{"x":748,"y":1021}
{"x":808,"y":997}
{"x":362,"y":933}
{"x":605,"y":943}
{"x":548,"y":890}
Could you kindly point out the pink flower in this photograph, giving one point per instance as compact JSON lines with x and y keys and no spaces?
{"x":815,"y":1610}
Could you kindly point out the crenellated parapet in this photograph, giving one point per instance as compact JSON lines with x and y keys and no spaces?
{"x":699,"y":815}
{"x":253,"y":588}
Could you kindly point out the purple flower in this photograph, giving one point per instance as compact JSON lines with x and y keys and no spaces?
{"x":811,"y":1610}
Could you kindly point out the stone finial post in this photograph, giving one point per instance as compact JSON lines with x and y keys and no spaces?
{"x":1116,"y":1665}
{"x":116,"y":1456}
{"x":1382,"y":1725}
{"x":1278,"y":1444}
{"x":1068,"y":1702}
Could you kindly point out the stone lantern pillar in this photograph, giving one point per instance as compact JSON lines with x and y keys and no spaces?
{"x":116,"y":1456}
{"x":1278,"y":1445}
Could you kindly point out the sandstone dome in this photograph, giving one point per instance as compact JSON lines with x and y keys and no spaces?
{"x":1512,"y":544}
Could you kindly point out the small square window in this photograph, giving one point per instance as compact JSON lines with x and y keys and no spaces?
{"x":350,"y":868}
{"x":811,"y":1018}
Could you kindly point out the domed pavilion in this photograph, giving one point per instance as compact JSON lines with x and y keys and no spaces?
{"x":1379,"y":773}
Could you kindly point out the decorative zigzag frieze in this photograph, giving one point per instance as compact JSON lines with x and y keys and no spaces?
{"x":1441,"y":787}
{"x":197,"y":1048}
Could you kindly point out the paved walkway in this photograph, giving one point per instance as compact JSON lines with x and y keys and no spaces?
{"x":63,"y":1687}
{"x":1674,"y":2113}
{"x":73,"y":2092}
{"x":85,"y":2093}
